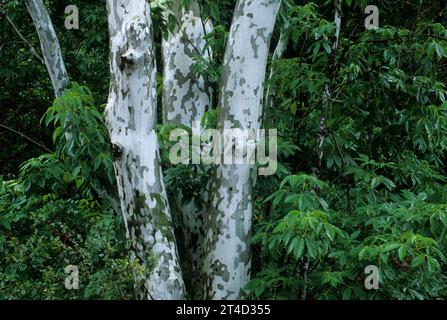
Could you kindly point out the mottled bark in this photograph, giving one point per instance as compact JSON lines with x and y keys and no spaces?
{"x":326,"y":108}
{"x":186,"y":97}
{"x":49,"y":44}
{"x":228,"y":261}
{"x":131,"y":119}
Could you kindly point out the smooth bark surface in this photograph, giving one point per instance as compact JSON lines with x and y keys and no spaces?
{"x":228,"y":260}
{"x":131,"y":119}
{"x":186,"y":97}
{"x":49,"y":44}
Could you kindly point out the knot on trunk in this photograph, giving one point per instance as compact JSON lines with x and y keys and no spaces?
{"x":130,"y":58}
{"x":137,"y":35}
{"x":116,"y":150}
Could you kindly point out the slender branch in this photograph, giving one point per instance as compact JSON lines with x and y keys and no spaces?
{"x":364,"y":74}
{"x":24,"y":136}
{"x":17,"y":31}
{"x":335,"y":124}
{"x":305,"y":279}
{"x":277,"y":55}
{"x":98,"y":187}
{"x":328,"y":87}
{"x":203,"y":26}
{"x":179,"y":24}
{"x":406,"y":37}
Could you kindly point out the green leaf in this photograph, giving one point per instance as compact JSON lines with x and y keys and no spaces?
{"x":330,"y":232}
{"x":417,"y":261}
{"x":402,"y":252}
{"x":327,"y":47}
{"x":298,"y":248}
{"x":56,"y":134}
{"x":347,"y":294}
{"x":5,"y":224}
{"x":256,"y":285}
{"x":355,"y":234}
{"x":391,"y":246}
{"x":311,"y":249}
{"x":316,"y":48}
{"x":432,"y":264}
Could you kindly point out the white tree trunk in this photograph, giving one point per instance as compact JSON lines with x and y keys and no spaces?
{"x":186,"y":94}
{"x":228,"y":260}
{"x":131,"y":115}
{"x":49,"y":44}
{"x":186,"y":97}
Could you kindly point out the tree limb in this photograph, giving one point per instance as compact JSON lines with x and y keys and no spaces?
{"x":24,"y":136}
{"x":17,"y":31}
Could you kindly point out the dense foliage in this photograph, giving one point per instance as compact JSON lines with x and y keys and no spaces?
{"x":376,"y":196}
{"x":380,"y":196}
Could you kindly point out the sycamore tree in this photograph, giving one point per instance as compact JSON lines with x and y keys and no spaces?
{"x":187,"y":95}
{"x":228,"y":256}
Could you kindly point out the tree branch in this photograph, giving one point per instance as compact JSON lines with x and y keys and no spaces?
{"x":17,"y":31}
{"x":24,"y":136}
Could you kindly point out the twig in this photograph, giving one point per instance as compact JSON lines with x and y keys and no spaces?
{"x":22,"y":135}
{"x":16,"y":30}
{"x":203,"y":27}
{"x":328,"y":87}
{"x":305,"y":280}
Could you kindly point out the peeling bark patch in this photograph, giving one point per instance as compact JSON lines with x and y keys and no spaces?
{"x":186,"y":95}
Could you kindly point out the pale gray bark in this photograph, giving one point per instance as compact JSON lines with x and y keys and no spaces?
{"x":49,"y":44}
{"x":186,"y":97}
{"x":228,"y":260}
{"x":131,"y":119}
